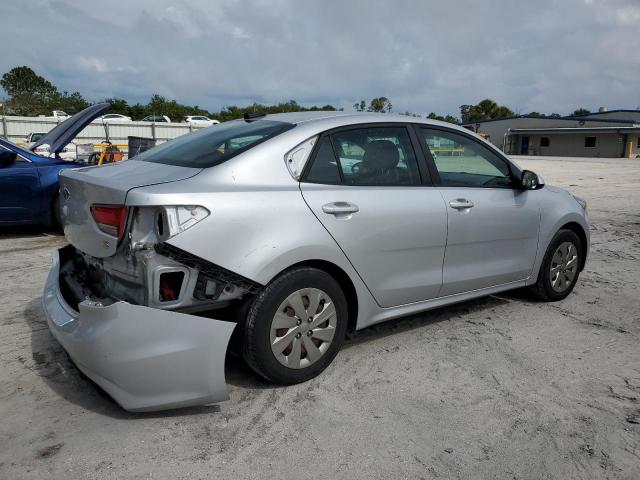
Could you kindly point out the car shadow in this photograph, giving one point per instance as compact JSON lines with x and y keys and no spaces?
{"x":28,"y":231}
{"x":424,"y":319}
{"x":239,"y":374}
{"x":55,"y":367}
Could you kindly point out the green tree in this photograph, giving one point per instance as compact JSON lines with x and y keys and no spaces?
{"x":536,"y":115}
{"x":485,"y":110}
{"x":581,"y":111}
{"x":446,"y":118}
{"x":360,"y":106}
{"x":68,"y":102}
{"x":118,"y":105}
{"x":380,"y":105}
{"x":233,"y":111}
{"x":29,"y":93}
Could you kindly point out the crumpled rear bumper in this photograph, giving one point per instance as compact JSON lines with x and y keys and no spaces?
{"x":145,"y":358}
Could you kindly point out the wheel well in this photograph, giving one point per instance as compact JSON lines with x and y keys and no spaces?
{"x":345,"y":283}
{"x":579,"y":231}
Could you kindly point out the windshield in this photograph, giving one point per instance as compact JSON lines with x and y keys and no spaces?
{"x":211,"y":146}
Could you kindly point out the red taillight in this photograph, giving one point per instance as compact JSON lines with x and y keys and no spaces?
{"x":111,"y":219}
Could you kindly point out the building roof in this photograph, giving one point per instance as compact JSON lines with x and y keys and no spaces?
{"x":620,"y":110}
{"x":569,"y":118}
{"x":620,"y":129}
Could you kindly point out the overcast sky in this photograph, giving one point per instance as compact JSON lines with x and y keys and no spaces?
{"x":425,"y":55}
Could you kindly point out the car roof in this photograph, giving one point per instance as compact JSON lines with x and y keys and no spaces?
{"x":339,"y":118}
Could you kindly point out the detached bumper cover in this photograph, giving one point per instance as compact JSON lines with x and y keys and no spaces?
{"x":145,"y":358}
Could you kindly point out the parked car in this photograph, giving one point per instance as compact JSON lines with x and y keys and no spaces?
{"x":32,"y":138}
{"x":293,"y":229}
{"x":69,"y":152}
{"x":157,"y":118}
{"x":200,"y":120}
{"x":29,"y":180}
{"x":114,"y":118}
{"x":60,"y":114}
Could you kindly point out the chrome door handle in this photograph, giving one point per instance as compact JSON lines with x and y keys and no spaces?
{"x":460,"y":203}
{"x":340,"y":208}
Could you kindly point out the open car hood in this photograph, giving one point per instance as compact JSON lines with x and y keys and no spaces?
{"x":63,"y":133}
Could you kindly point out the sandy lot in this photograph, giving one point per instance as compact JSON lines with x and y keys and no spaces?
{"x":502,"y":387}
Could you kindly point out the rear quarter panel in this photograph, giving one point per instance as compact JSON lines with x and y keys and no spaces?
{"x":259,"y":223}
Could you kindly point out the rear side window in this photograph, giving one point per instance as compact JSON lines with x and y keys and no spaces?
{"x":381,"y":156}
{"x":212,"y":146}
{"x":324,"y":168}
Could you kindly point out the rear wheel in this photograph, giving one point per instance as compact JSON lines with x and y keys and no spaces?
{"x":560,"y":267}
{"x":295,"y":326}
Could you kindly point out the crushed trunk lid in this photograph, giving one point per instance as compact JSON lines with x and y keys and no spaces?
{"x":106,"y":185}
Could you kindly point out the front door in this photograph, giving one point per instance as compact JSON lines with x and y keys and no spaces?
{"x":492,"y":224}
{"x":19,"y":191}
{"x":524,"y":146}
{"x":365,"y":187}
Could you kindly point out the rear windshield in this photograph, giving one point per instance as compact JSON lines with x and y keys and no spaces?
{"x":211,"y":146}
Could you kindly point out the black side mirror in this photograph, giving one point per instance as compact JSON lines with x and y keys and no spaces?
{"x":531,"y":181}
{"x":7,"y":158}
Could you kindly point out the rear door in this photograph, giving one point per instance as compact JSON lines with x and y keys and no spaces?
{"x":492,"y":224}
{"x":365,"y":185}
{"x":19,"y":191}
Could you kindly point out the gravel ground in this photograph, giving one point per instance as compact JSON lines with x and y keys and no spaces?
{"x":501,"y":387}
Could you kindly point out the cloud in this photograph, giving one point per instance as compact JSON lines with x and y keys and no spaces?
{"x":92,"y":64}
{"x":549,"y":56}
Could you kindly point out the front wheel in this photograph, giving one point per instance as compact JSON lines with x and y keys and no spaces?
{"x":560,"y":267}
{"x":295,"y":326}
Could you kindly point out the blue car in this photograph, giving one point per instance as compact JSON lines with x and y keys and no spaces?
{"x":29,"y":182}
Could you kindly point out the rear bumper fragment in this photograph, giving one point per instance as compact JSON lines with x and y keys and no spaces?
{"x":145,"y":358}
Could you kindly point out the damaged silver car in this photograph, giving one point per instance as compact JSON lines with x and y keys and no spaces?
{"x":292,"y":229}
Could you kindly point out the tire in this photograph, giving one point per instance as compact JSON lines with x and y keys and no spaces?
{"x":275,"y":347}
{"x":553,"y":287}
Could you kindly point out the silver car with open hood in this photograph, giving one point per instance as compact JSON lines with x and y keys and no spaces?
{"x":287,"y":231}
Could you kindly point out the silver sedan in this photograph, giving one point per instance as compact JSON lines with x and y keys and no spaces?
{"x":292,"y":229}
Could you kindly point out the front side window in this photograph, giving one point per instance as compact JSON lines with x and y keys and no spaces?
{"x":376,"y":156}
{"x":463,"y":162}
{"x":209,"y":147}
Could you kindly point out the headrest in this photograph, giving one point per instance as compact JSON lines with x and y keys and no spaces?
{"x":381,"y":154}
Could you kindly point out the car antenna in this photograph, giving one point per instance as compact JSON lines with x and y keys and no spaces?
{"x":252,"y":116}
